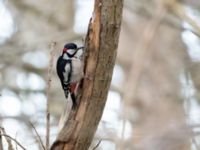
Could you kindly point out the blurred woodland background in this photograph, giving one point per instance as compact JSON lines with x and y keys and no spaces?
{"x":153,"y":102}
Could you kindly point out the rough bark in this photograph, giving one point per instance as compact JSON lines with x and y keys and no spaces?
{"x":101,"y":44}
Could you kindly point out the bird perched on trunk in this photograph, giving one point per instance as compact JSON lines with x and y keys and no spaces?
{"x":70,"y":70}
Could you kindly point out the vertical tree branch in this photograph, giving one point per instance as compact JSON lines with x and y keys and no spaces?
{"x":100,"y":48}
{"x":50,"y":70}
{"x":141,"y":53}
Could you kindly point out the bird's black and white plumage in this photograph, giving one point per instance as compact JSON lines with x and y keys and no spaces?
{"x":70,"y":70}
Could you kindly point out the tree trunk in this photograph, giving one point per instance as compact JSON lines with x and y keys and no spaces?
{"x":100,"y":48}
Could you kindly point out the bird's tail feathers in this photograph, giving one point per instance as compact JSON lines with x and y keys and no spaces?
{"x":73,"y":97}
{"x":66,"y":93}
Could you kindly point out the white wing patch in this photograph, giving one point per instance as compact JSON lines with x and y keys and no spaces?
{"x":65,"y":74}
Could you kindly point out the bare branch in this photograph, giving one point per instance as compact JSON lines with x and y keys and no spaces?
{"x":7,"y":136}
{"x":39,"y":138}
{"x":1,"y":144}
{"x":180,"y":11}
{"x":141,"y":53}
{"x":10,"y":146}
{"x":97,"y":145}
{"x":50,"y":70}
{"x":16,"y":143}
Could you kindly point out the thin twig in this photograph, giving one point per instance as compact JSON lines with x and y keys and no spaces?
{"x":1,"y":143}
{"x":39,"y":138}
{"x":97,"y":145}
{"x":180,"y":11}
{"x":50,"y":70}
{"x":123,"y":129}
{"x":10,"y":146}
{"x":15,"y":142}
{"x":7,"y":136}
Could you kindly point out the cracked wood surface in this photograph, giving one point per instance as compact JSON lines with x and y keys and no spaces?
{"x":101,"y":49}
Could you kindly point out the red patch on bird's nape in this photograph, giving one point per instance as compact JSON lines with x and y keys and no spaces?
{"x":65,"y":50}
{"x":73,"y":87}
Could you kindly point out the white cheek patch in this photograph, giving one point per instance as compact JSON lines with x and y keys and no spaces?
{"x":70,"y":51}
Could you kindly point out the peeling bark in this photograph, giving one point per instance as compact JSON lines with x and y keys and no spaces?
{"x":101,"y":45}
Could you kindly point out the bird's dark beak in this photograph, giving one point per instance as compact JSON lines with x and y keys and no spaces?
{"x":80,"y":48}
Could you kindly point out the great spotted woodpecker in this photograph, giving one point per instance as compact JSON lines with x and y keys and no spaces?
{"x":70,"y":70}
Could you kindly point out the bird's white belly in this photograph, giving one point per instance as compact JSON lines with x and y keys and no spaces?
{"x":77,"y":71}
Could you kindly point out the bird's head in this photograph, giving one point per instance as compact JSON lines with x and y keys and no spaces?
{"x":70,"y":49}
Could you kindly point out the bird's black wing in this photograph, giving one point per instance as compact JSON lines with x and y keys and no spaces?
{"x":60,"y":67}
{"x":61,"y":63}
